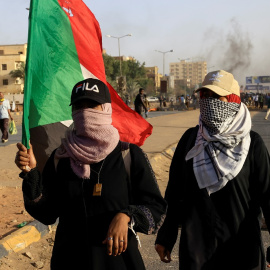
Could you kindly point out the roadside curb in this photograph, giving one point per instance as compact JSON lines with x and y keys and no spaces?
{"x":35,"y":230}
{"x":23,"y":237}
{"x":168,"y":153}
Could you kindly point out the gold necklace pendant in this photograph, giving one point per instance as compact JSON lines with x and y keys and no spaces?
{"x":98,"y":186}
{"x":97,"y":189}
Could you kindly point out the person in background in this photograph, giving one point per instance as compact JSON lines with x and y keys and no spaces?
{"x":219,"y":182}
{"x":250,"y":100}
{"x":261,"y":101}
{"x":268,"y":108}
{"x":194,"y":100}
{"x":127,"y":100}
{"x":256,"y":100}
{"x":140,"y":102}
{"x":4,"y":117}
{"x":147,"y":105}
{"x":182,"y":103}
{"x":161,"y":101}
{"x":98,"y":193}
{"x":171,"y":100}
{"x":187,"y":101}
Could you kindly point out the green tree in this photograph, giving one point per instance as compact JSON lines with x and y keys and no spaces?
{"x":134,"y":70}
{"x":143,"y":82}
{"x":131,"y":69}
{"x":18,"y":73}
{"x":109,"y":66}
{"x":113,"y":83}
{"x":132,"y":89}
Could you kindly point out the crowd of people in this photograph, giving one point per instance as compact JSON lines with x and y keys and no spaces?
{"x":218,"y":189}
{"x":256,"y":101}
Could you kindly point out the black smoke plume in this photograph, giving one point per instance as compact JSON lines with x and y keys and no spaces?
{"x":230,"y":51}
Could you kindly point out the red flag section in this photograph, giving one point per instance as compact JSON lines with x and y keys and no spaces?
{"x":88,"y":41}
{"x":87,"y":36}
{"x":131,"y":126}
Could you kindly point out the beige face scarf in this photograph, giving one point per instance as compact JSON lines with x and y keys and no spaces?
{"x":92,"y":139}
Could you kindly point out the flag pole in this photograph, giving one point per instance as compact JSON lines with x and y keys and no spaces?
{"x":27,"y":82}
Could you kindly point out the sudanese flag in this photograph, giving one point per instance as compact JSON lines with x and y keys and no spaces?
{"x":64,"y":47}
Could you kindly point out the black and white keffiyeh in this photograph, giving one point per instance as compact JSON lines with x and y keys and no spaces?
{"x":217,"y":115}
{"x":222,"y":143}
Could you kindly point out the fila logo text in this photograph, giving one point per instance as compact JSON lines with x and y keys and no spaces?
{"x":86,"y":87}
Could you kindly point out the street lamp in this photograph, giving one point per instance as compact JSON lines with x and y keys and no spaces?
{"x":164,"y":57}
{"x":109,"y":36}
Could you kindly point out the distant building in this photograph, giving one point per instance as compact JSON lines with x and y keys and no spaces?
{"x":188,"y":74}
{"x":152,"y":73}
{"x":170,"y":80}
{"x":182,"y":83}
{"x":124,"y":58}
{"x":11,"y":57}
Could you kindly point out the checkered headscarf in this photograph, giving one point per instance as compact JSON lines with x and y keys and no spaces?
{"x":222,"y":143}
{"x":216,"y":114}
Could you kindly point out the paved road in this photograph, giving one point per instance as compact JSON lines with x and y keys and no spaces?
{"x":17,"y":137}
{"x":262,"y":126}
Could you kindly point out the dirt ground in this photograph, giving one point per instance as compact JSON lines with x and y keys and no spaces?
{"x":12,"y":210}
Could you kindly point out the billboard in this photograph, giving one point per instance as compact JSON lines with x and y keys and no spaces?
{"x":256,"y":87}
{"x":257,"y":79}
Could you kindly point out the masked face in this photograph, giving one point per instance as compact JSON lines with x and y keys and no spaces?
{"x":86,"y":120}
{"x":216,"y":113}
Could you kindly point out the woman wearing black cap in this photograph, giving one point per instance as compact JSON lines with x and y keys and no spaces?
{"x":94,"y":191}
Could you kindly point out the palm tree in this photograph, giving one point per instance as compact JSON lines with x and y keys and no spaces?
{"x":18,"y":73}
{"x":132,"y":88}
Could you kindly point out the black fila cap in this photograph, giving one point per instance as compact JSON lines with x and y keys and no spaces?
{"x":92,"y":89}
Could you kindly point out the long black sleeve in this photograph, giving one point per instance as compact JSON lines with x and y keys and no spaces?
{"x":41,"y":193}
{"x":261,"y":176}
{"x":147,"y":207}
{"x":174,"y":195}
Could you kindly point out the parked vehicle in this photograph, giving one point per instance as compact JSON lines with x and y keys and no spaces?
{"x":152,"y":99}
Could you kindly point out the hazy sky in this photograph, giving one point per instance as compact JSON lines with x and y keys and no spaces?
{"x":231,"y":35}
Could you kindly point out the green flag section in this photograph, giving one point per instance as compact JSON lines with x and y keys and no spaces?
{"x":65,"y":47}
{"x":52,"y":66}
